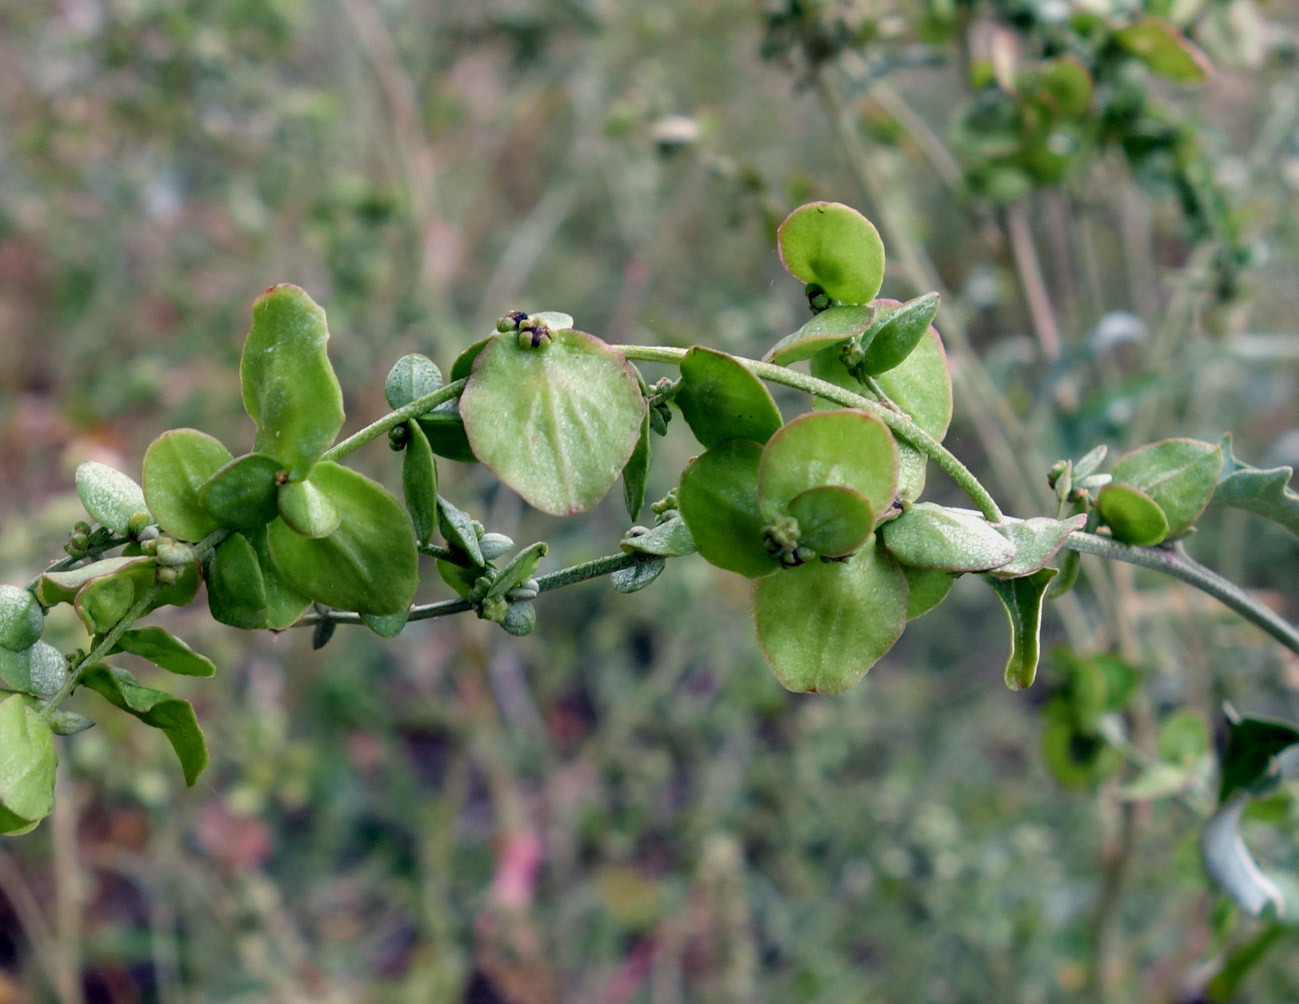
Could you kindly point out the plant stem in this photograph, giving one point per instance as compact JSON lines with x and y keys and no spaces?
{"x":592,"y":569}
{"x":901,"y":424}
{"x":375,"y":429}
{"x":1181,"y":566}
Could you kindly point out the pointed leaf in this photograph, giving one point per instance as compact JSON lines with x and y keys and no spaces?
{"x":635,"y":474}
{"x":411,"y":377}
{"x":109,"y":496}
{"x":720,"y":399}
{"x":27,"y":766}
{"x":835,"y":247}
{"x":164,"y":650}
{"x":895,"y":332}
{"x":236,"y":594}
{"x":174,"y":717}
{"x":289,"y":386}
{"x":1161,"y":47}
{"x":638,"y":576}
{"x":833,"y":521}
{"x":242,"y":494}
{"x":419,"y":482}
{"x":1179,"y":475}
{"x":557,"y":423}
{"x":1036,"y":541}
{"x":669,"y":539}
{"x":176,"y":466}
{"x":718,"y":499}
{"x":1132,"y":515}
{"x":822,"y":625}
{"x":21,"y":618}
{"x":368,"y":564}
{"x":69,"y":723}
{"x":457,"y":529}
{"x":386,"y":627}
{"x":522,"y":567}
{"x":926,"y":588}
{"x":953,"y":540}
{"x":1022,"y":599}
{"x":851,"y":449}
{"x":1265,"y":493}
{"x":829,"y":328}
{"x":307,"y":509}
{"x":1249,"y":761}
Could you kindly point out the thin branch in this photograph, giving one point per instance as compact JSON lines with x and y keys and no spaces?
{"x":374,"y":430}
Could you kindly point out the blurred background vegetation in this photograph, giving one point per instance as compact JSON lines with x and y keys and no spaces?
{"x":625,"y":806}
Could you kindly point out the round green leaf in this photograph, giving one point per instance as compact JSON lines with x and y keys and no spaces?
{"x":833,"y":521}
{"x":243,"y":493}
{"x":307,"y":509}
{"x":926,"y":588}
{"x":824,"y":624}
{"x":40,"y":669}
{"x":368,"y":564}
{"x":720,"y":399}
{"x":1163,"y":48}
{"x":411,"y":377}
{"x":557,"y":423}
{"x":27,"y":765}
{"x":1132,"y":515}
{"x":718,"y":499}
{"x":952,"y":540}
{"x":830,"y":327}
{"x":21,"y":619}
{"x":835,"y":247}
{"x":109,"y":496}
{"x":1179,"y":475}
{"x":236,"y":594}
{"x":176,"y":466}
{"x":848,"y":448}
{"x":289,"y":386}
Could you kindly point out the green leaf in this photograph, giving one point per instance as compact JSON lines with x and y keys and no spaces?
{"x":386,"y":627}
{"x":307,"y":509}
{"x":1179,"y":475}
{"x":1022,"y":599}
{"x":176,"y":466}
{"x":638,"y":576}
{"x":1068,"y":84}
{"x":419,"y":482}
{"x":459,"y":578}
{"x":822,"y":625}
{"x":557,"y":423}
{"x":368,"y":564}
{"x":27,"y":766}
{"x":895,"y":332}
{"x":105,"y":599}
{"x":40,"y":669}
{"x":68,"y":723}
{"x":464,"y":364}
{"x":852,"y":449}
{"x":1229,"y":864}
{"x":174,"y":717}
{"x":1249,"y":761}
{"x":1183,"y":738}
{"x":720,"y":399}
{"x":457,"y":529}
{"x":669,"y":539}
{"x":284,"y":603}
{"x":62,"y":587}
{"x":1036,"y":541}
{"x":446,"y":432}
{"x":21,"y":618}
{"x":1163,"y":48}
{"x":242,"y":494}
{"x":835,"y":247}
{"x":522,"y":567}
{"x":833,"y":521}
{"x":1265,"y":493}
{"x":411,"y":377}
{"x":236,"y":593}
{"x":718,"y":499}
{"x":289,"y":386}
{"x":1077,"y":759}
{"x":928,"y":535}
{"x":109,"y":496}
{"x":926,"y":588}
{"x":164,"y":650}
{"x":555,"y":320}
{"x":1132,"y":515}
{"x":827,"y":329}
{"x":636,"y":473}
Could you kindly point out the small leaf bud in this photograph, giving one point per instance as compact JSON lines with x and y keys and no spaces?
{"x":519,"y":619}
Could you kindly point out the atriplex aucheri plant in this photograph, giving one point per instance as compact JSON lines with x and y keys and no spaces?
{"x":824,"y":511}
